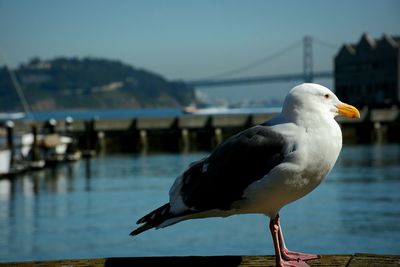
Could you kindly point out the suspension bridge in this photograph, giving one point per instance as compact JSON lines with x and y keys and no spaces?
{"x":307,"y":75}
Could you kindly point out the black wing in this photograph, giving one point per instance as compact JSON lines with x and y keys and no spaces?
{"x":220,"y":179}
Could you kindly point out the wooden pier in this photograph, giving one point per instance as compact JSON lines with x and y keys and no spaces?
{"x":355,"y":260}
{"x":186,"y":133}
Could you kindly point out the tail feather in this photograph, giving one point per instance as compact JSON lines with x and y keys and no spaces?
{"x":162,"y":217}
{"x":153,"y":219}
{"x":141,"y":229}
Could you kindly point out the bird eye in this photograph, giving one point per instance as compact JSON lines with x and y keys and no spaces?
{"x":326,"y":96}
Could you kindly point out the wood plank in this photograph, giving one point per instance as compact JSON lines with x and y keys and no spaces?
{"x":374,"y":260}
{"x":356,"y":260}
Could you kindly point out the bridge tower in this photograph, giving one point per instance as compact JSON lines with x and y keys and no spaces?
{"x":307,"y":59}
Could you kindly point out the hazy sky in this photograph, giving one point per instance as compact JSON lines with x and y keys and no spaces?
{"x":189,"y":39}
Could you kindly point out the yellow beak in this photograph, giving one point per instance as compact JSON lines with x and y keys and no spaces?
{"x":348,"y":110}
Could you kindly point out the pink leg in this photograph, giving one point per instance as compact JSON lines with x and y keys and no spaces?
{"x":280,"y":262}
{"x":291,"y":255}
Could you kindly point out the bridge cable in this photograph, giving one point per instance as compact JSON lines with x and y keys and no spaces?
{"x":326,"y":44}
{"x":254,"y":64}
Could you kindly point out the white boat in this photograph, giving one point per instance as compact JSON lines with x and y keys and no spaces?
{"x":226,"y":110}
{"x":56,"y":147}
{"x":5,"y":160}
{"x":22,"y":143}
{"x":4,"y":116}
{"x":205,"y":110}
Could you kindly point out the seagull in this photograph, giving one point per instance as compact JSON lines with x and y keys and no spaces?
{"x":263,"y":168}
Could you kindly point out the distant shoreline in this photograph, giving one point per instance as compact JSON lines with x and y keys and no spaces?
{"x":128,"y":113}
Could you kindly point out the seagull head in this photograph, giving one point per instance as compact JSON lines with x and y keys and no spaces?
{"x":313,"y":100}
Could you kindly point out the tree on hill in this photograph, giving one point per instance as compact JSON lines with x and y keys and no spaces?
{"x":72,"y":83}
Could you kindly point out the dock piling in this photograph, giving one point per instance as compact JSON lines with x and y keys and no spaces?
{"x":185,"y":141}
{"x":10,"y":140}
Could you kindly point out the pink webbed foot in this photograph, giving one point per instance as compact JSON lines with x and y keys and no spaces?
{"x":294,"y":256}
{"x":284,"y":257}
{"x":292,"y":263}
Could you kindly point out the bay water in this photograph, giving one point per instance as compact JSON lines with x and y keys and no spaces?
{"x":87,"y":209}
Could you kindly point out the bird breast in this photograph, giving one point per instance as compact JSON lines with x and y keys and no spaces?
{"x":323,"y":148}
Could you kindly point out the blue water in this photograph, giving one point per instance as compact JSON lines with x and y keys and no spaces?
{"x":87,"y":209}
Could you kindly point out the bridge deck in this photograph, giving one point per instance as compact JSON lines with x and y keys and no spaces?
{"x":258,"y":79}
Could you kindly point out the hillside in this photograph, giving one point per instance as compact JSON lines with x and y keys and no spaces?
{"x":72,"y":83}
